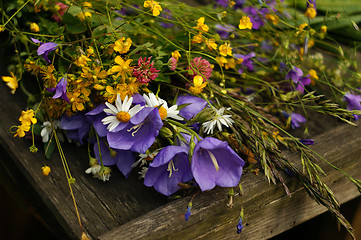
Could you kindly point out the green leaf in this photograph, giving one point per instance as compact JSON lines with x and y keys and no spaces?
{"x":73,"y":24}
{"x":49,"y":148}
{"x":162,"y":78}
{"x":140,"y":47}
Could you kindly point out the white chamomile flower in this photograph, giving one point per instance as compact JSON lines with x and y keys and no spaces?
{"x":120,"y":113}
{"x":102,"y":173}
{"x":219,"y":119}
{"x":144,"y":158}
{"x":93,"y":169}
{"x":153,"y":101}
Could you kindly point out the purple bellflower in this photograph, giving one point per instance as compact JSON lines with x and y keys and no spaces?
{"x":224,"y":30}
{"x":215,"y":163}
{"x":188,"y":213}
{"x":169,"y":167}
{"x":77,"y":126}
{"x":95,"y":116}
{"x":196,"y":105}
{"x":239,"y":226}
{"x":45,"y":48}
{"x":307,"y":141}
{"x":122,"y":158}
{"x":296,"y":119}
{"x":353,"y":102}
{"x":60,"y":89}
{"x":295,"y":74}
{"x":139,"y":134}
{"x":247,"y":61}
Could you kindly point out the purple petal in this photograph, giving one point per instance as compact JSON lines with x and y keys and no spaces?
{"x":196,"y":105}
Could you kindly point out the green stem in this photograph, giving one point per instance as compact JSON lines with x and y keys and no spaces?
{"x":16,"y":13}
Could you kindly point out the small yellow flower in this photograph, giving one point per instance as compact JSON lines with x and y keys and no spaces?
{"x":82,"y":61}
{"x":225,"y":49}
{"x":122,"y":68}
{"x":198,"y":85}
{"x":46,"y":170}
{"x":221,"y":60}
{"x":211,"y":44}
{"x":323,"y":29}
{"x":201,"y":26}
{"x":2,"y":28}
{"x":28,"y":117}
{"x":122,"y":45}
{"x":83,"y":15}
{"x":313,"y":76}
{"x":231,"y":63}
{"x":197,"y":38}
{"x":311,"y":11}
{"x":87,"y":5}
{"x":154,"y":7}
{"x":20,"y":132}
{"x":176,"y":55}
{"x":34,"y":27}
{"x":245,"y":22}
{"x":11,"y":82}
{"x":273,"y":18}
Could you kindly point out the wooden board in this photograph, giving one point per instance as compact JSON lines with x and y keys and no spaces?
{"x":125,"y":209}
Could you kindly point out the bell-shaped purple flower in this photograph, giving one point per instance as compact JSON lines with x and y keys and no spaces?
{"x":239,"y":226}
{"x":196,"y":105}
{"x":302,"y":82}
{"x":295,"y":74}
{"x":188,"y":213}
{"x":140,"y":133}
{"x":169,"y":167}
{"x":296,"y":119}
{"x":60,"y":89}
{"x":215,"y":163}
{"x":353,"y":102}
{"x":77,"y":126}
{"x":45,"y":48}
{"x":247,"y":61}
{"x":95,"y":116}
{"x":224,"y":30}
{"x":123,"y":159}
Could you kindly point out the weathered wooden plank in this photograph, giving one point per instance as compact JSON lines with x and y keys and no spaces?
{"x":102,"y":206}
{"x":268,"y":210}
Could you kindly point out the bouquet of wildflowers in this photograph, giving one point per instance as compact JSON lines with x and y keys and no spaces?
{"x":188,"y":96}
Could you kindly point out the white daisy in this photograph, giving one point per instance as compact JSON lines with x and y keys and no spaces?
{"x":144,"y":158}
{"x":219,"y":119}
{"x":120,"y":113}
{"x":153,"y":101}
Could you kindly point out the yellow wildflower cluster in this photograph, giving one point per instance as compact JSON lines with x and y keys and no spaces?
{"x":226,"y":62}
{"x":225,"y":49}
{"x":311,"y":11}
{"x":27,"y":118}
{"x":176,"y":55}
{"x":245,"y":22}
{"x":199,"y":38}
{"x":154,"y":7}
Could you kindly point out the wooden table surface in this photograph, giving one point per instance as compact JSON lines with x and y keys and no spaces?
{"x":126,"y":209}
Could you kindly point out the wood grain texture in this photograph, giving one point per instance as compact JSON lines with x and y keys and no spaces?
{"x":125,"y":209}
{"x":102,"y":206}
{"x":268,"y":210}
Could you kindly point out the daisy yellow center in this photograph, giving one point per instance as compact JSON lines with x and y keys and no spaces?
{"x":162,"y":112}
{"x":123,"y":116}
